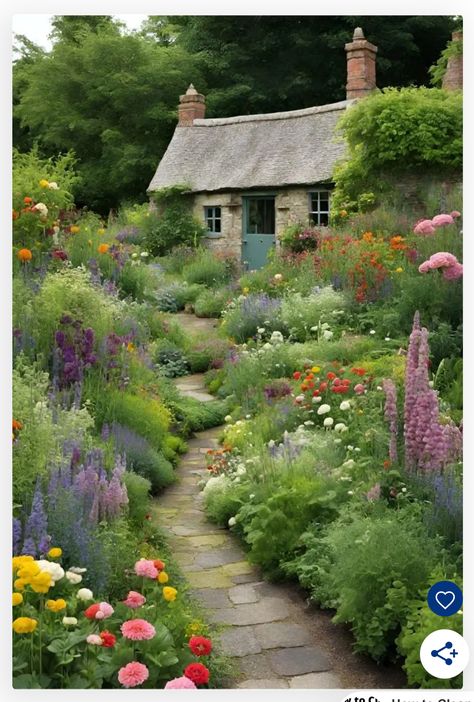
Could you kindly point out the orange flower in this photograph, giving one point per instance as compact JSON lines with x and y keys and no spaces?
{"x":74,"y":229}
{"x":103,"y":248}
{"x":27,"y":200}
{"x":368,"y":237}
{"x":24,"y":255}
{"x":15,"y":214}
{"x":16,"y":425}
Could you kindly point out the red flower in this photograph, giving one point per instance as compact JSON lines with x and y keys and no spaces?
{"x":296,"y":375}
{"x":337,"y":381}
{"x":200,"y":646}
{"x":315,"y":393}
{"x":330,"y":375}
{"x":358,"y":371}
{"x":91,"y":611}
{"x":159,"y":565}
{"x":27,"y":200}
{"x":108,"y":639}
{"x":323,"y":387}
{"x":60,"y":255}
{"x":387,"y":464}
{"x":197,"y":672}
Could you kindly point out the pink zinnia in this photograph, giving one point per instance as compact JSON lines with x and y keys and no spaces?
{"x":442,"y":220}
{"x":146,"y":569}
{"x":133,"y":674}
{"x":453,"y":272}
{"x":442,"y":259}
{"x":182,"y":683}
{"x":359,"y":389}
{"x":424,"y":227}
{"x":105,"y":611}
{"x":138,"y":630}
{"x":134,"y":600}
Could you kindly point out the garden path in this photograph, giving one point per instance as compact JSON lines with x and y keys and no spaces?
{"x":275,"y":638}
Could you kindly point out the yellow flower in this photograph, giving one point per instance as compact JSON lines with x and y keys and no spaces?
{"x":130,"y":347}
{"x":41,"y":582}
{"x":245,"y":291}
{"x":24,"y":625}
{"x":163,"y":577}
{"x":17,"y":599}
{"x":399,"y":270}
{"x":29,"y":570}
{"x":20,"y":583}
{"x":194,"y":628}
{"x":101,"y":231}
{"x":55,"y":552}
{"x":18,"y":561}
{"x":169,"y":593}
{"x":89,"y":241}
{"x":315,"y":369}
{"x":44,"y":183}
{"x":343,"y":213}
{"x":74,"y":229}
{"x":56,"y":605}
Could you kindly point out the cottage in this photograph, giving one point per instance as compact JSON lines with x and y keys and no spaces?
{"x":251,"y":175}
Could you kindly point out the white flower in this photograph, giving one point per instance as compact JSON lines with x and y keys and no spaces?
{"x":144,"y":254}
{"x":324,"y":409}
{"x":404,"y":489}
{"x":94,"y":640}
{"x":309,"y":423}
{"x":299,"y":399}
{"x":227,"y":418}
{"x":276,"y":337}
{"x":41,"y":208}
{"x":357,"y":449}
{"x":134,"y":255}
{"x":278,"y":277}
{"x":327,"y":335}
{"x":74,"y":578}
{"x":271,"y":443}
{"x":328,"y":422}
{"x":267,"y":346}
{"x":340,"y":427}
{"x":232,"y":522}
{"x":75,"y":569}
{"x":241,"y":470}
{"x":345,"y":405}
{"x":372,"y":331}
{"x":317,"y":399}
{"x":325,"y":326}
{"x":350,"y":448}
{"x":314,"y":329}
{"x":261,"y":330}
{"x":251,"y":496}
{"x":53,"y":186}
{"x":387,"y":338}
{"x":54,"y":569}
{"x":337,"y":441}
{"x":69,"y":621}
{"x":350,"y":492}
{"x":84,"y":594}
{"x":349,"y":463}
{"x":431,"y":383}
{"x":238,"y":423}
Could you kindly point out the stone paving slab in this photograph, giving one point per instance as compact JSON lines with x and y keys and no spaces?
{"x":267,"y":610}
{"x":239,"y":642}
{"x":264,"y":684}
{"x":243,"y":594}
{"x":282,"y":634}
{"x":296,"y":661}
{"x":212,"y":598}
{"x":315,"y":681}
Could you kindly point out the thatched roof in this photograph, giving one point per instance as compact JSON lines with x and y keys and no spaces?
{"x":254,"y":151}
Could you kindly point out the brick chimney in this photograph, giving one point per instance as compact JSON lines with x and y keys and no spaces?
{"x":192,"y":106}
{"x":360,"y":66}
{"x":452,"y":79}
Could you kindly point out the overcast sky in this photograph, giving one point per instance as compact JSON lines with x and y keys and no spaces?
{"x":38,"y":27}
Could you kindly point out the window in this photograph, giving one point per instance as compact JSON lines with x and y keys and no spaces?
{"x":212,"y":218}
{"x":319,"y":207}
{"x":261,"y":215}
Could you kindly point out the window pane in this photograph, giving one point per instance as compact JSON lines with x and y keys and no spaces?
{"x":314,"y":202}
{"x":313,"y":217}
{"x":217,"y":225}
{"x":324,"y":218}
{"x":217,"y":211}
{"x":209,"y":225}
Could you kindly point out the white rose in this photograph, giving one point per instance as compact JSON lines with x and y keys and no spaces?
{"x":53,"y":186}
{"x":232,"y":521}
{"x":328,"y":422}
{"x":340,"y":427}
{"x":74,"y":578}
{"x":54,"y":569}
{"x":345,"y":405}
{"x":84,"y":594}
{"x":69,"y":621}
{"x":324,"y":409}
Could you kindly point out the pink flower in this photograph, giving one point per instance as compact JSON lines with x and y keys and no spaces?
{"x":455,"y":214}
{"x":133,"y":674}
{"x":453,"y":272}
{"x":424,"y":227}
{"x":359,"y":389}
{"x":146,"y":569}
{"x":442,"y":259}
{"x":442,"y":220}
{"x":182,"y":683}
{"x":425,"y":267}
{"x":138,"y":630}
{"x":105,"y":611}
{"x":94,"y":640}
{"x":134,"y":600}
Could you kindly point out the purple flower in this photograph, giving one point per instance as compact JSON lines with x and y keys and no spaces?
{"x":36,"y":525}
{"x":16,"y":536}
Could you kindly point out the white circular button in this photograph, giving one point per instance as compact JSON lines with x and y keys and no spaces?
{"x":444,"y":654}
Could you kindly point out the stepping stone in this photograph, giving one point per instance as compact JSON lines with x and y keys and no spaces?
{"x":212,"y":599}
{"x":297,"y":661}
{"x":238,"y":568}
{"x":256,"y":667}
{"x":218,"y":557}
{"x":264,"y":684}
{"x":269,"y":610}
{"x":203,"y":530}
{"x":243,"y":594}
{"x":243,"y":579}
{"x":239,"y":642}
{"x":214,"y":578}
{"x":207,"y":540}
{"x":282,"y":635}
{"x":315,"y":681}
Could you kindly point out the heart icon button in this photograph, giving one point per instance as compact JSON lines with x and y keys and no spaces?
{"x":445,"y":599}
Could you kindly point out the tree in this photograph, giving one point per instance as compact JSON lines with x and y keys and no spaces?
{"x":264,"y":64}
{"x":112,"y":99}
{"x":73,"y":28}
{"x":26,"y":54}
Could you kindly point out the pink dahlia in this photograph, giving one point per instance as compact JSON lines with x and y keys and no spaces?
{"x":146,"y":569}
{"x":182,"y":683}
{"x":453,"y":272}
{"x":424,"y":227}
{"x":442,"y":259}
{"x":133,"y":674}
{"x":138,"y":630}
{"x":442,"y":220}
{"x":455,"y":214}
{"x":425,"y":267}
{"x":134,"y":600}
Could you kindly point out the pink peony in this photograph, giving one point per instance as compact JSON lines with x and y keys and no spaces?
{"x":94,"y":640}
{"x":425,"y":267}
{"x":442,"y":220}
{"x":138,"y":630}
{"x":442,"y":259}
{"x":182,"y":683}
{"x":146,"y":569}
{"x":453,"y":272}
{"x":134,"y":600}
{"x":424,"y":227}
{"x":133,"y":674}
{"x":455,"y":214}
{"x":359,"y":389}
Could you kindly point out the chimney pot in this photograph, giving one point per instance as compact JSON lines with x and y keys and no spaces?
{"x":358,"y":33}
{"x":192,"y":105}
{"x":361,"y":56}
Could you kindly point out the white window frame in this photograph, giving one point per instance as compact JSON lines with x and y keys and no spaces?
{"x":315,"y":215}
{"x":213,"y":218}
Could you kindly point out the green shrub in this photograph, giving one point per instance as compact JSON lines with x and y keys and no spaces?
{"x":206,"y":354}
{"x":177,"y":258}
{"x":248,"y":313}
{"x":170,"y":360}
{"x":210,"y":303}
{"x":303,"y":315}
{"x":172,"y":223}
{"x":135,"y":281}
{"x":143,"y":459}
{"x":206,"y":269}
{"x":138,"y":490}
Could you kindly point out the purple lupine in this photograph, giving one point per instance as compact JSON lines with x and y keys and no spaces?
{"x":391,"y":415}
{"x":16,"y":536}
{"x":36,"y":525}
{"x":454,"y":441}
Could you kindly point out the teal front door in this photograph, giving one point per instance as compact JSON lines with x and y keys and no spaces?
{"x":258,"y":234}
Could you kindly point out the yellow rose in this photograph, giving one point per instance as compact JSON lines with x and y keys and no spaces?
{"x":24,"y":625}
{"x":41,"y":582}
{"x":44,"y":183}
{"x":169,"y":593}
{"x":56,"y":605}
{"x":17,"y":599}
{"x":55,"y":552}
{"x":163,"y":577}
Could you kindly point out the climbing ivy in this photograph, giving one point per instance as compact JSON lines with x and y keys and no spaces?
{"x":437,"y":71}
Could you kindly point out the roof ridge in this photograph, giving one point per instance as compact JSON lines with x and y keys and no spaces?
{"x":270,"y":116}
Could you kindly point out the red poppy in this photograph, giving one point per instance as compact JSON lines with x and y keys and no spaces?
{"x":16,"y":425}
{"x":296,"y":375}
{"x":200,"y":646}
{"x":197,"y":672}
{"x":91,"y":611}
{"x":310,"y":384}
{"x":108,"y":639}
